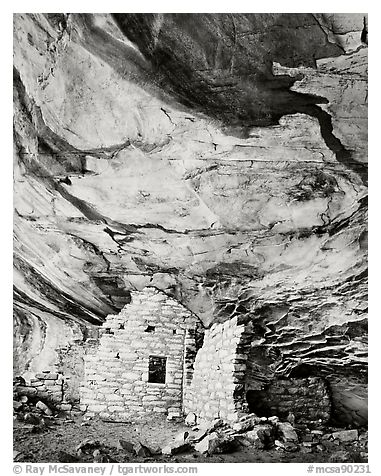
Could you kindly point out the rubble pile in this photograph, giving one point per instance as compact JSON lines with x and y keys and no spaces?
{"x":197,"y":438}
{"x":40,"y":401}
{"x":262,"y":433}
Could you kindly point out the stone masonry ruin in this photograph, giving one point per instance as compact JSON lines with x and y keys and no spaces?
{"x":308,"y":399}
{"x":217,"y":389}
{"x":148,"y":361}
{"x":141,"y":365}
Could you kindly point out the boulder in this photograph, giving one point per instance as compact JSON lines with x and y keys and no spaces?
{"x":126,"y":446}
{"x":215,"y":443}
{"x":44,"y":408}
{"x":154,"y":450}
{"x":345,"y":436}
{"x":246,"y":423}
{"x":197,"y":435}
{"x":261,"y":436}
{"x":286,"y":432}
{"x":141,"y":450}
{"x":191,"y":419}
{"x":207,"y":444}
{"x":182,"y":436}
{"x":24,"y":390}
{"x":87,"y":446}
{"x":209,"y":427}
{"x":180,"y":444}
{"x":175,"y":448}
{"x":205,"y":428}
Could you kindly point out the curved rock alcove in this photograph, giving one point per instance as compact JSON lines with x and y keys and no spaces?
{"x":220,"y":158}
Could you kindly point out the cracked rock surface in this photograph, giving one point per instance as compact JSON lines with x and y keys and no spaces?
{"x":221,"y":158}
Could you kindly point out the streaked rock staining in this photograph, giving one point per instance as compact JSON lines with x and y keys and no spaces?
{"x":216,"y":163}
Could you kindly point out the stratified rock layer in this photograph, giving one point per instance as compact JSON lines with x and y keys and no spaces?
{"x":220,"y":158}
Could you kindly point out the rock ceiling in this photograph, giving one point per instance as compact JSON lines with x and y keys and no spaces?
{"x":220,"y":158}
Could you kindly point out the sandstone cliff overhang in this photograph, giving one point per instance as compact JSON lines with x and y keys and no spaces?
{"x":220,"y":158}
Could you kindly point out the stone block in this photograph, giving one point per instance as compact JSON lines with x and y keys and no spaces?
{"x":345,"y":435}
{"x":149,"y":398}
{"x":261,"y":436}
{"x":47,"y":376}
{"x":174,"y":448}
{"x":116,"y":408}
{"x":141,"y":450}
{"x":113,"y":397}
{"x":44,"y":408}
{"x":96,"y":407}
{"x":174,"y":415}
{"x":28,"y":391}
{"x":131,"y":376}
{"x":191,"y":419}
{"x":127,"y":446}
{"x":246,"y":423}
{"x":173,"y":392}
{"x":286,"y":432}
{"x":214,"y":444}
{"x":65,"y":407}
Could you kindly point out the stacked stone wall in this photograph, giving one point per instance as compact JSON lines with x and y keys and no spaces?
{"x":48,"y":387}
{"x":71,"y":364}
{"x":217,"y":389}
{"x":116,"y":383}
{"x":307,"y":399}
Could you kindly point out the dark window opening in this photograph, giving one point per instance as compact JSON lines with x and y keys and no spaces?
{"x":157,"y":369}
{"x":121,"y":326}
{"x":150,"y":329}
{"x":174,"y":331}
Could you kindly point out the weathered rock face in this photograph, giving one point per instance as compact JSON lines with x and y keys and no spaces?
{"x":220,"y":158}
